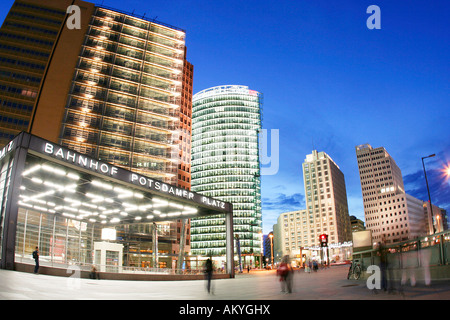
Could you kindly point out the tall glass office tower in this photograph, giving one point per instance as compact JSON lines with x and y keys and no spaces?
{"x":124,"y":102}
{"x":225,"y":165}
{"x":118,"y":88}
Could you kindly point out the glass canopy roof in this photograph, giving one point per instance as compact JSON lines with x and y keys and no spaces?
{"x":57,"y":189}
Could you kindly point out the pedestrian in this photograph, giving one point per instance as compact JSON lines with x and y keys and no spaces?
{"x":284,"y":271}
{"x":208,"y":274}
{"x":94,"y":273}
{"x":308,"y":266}
{"x":315,"y":266}
{"x":36,"y":260}
{"x":382,"y":253}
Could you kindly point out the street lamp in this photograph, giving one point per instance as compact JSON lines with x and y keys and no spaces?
{"x":447,"y":171}
{"x":271,"y":246}
{"x":262,"y":250}
{"x":426,"y":180}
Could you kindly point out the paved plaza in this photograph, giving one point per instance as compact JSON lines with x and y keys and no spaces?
{"x":326,"y":284}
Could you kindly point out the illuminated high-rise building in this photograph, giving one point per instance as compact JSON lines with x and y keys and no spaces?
{"x":225,"y":165}
{"x":117,"y":87}
{"x":326,"y":201}
{"x":391,"y":214}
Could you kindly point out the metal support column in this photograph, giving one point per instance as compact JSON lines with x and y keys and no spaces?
{"x":230,"y":243}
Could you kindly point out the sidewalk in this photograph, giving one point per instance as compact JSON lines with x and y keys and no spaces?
{"x":326,"y":284}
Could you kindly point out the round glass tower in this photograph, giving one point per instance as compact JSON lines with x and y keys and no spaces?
{"x":225,"y":165}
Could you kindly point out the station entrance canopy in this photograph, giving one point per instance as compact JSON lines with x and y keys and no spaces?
{"x":40,"y":175}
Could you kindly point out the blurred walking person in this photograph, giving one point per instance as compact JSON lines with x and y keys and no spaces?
{"x":208,"y":274}
{"x":284,"y":271}
{"x":36,"y":260}
{"x":315,"y":266}
{"x":386,"y":271}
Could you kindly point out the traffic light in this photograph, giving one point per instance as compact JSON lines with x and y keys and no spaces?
{"x":323,"y":239}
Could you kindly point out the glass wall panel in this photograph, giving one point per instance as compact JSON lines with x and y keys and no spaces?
{"x":126,"y":74}
{"x":130,"y":52}
{"x":123,"y":86}
{"x":119,"y":158}
{"x":147,"y":133}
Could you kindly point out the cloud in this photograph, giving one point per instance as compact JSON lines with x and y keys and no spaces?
{"x":278,"y":203}
{"x":439,"y":186}
{"x":284,"y":203}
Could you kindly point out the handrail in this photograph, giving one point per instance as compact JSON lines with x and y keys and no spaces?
{"x":439,"y":241}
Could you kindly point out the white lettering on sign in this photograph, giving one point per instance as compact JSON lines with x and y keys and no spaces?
{"x":6,"y":149}
{"x":79,"y":159}
{"x":160,"y":186}
{"x":105,"y":168}
{"x":213,"y":202}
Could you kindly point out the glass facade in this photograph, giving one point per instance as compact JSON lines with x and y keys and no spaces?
{"x":26,"y":40}
{"x":63,"y":211}
{"x":62,"y":202}
{"x":124,"y":103}
{"x":225,"y":165}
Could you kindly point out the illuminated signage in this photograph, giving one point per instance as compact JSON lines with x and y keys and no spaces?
{"x":78,"y":159}
{"x":6,"y":149}
{"x":86,"y":162}
{"x":160,"y":186}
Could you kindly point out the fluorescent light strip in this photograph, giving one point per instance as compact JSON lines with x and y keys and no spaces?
{"x":175,"y":205}
{"x":25,"y":204}
{"x":37,"y":180}
{"x":73,"y":176}
{"x":102,"y":185}
{"x":33,"y":169}
{"x":53,"y":170}
{"x":86,"y":204}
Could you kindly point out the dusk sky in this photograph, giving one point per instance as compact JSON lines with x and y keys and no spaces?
{"x":329,"y":82}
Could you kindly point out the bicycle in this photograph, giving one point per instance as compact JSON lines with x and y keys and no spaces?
{"x":354,"y":272}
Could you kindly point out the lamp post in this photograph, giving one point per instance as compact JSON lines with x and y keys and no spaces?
{"x":262,"y":250}
{"x":271,"y":247}
{"x":438,"y":218}
{"x":428,"y":189}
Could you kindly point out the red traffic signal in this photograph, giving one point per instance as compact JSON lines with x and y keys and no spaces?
{"x":323,"y":238}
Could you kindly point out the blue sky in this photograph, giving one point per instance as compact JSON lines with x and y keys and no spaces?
{"x":328,"y":82}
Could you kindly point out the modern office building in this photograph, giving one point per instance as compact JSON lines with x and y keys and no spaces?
{"x":117,"y":88}
{"x":326,"y":201}
{"x":390,"y":213}
{"x":267,"y":247}
{"x":297,"y":233}
{"x":357,"y":224}
{"x":28,"y":42}
{"x":83,"y":211}
{"x":225,"y":165}
{"x":288,"y":235}
{"x":436,"y":221}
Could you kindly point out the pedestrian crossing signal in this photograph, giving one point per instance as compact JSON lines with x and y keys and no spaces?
{"x":323,"y":239}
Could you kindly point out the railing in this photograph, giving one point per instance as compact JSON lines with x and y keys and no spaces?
{"x":432,"y":250}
